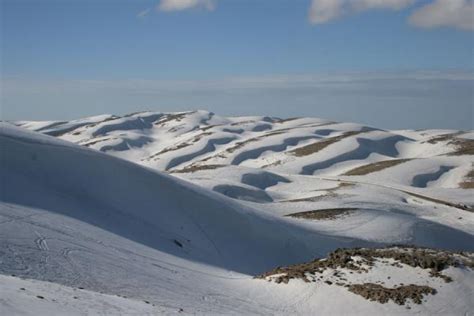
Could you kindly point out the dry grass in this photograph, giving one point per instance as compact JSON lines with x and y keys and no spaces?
{"x":462,"y":146}
{"x":241,"y":144}
{"x":443,"y":138}
{"x":200,"y":136}
{"x":318,"y":146}
{"x":184,"y":144}
{"x":205,"y":128}
{"x":311,"y":198}
{"x":399,"y":295}
{"x":167,"y":149}
{"x":468,"y":182}
{"x":374,"y":167}
{"x":172,"y":117}
{"x":443,"y":202}
{"x":434,"y":260}
{"x":330,"y":213}
{"x":273,"y":164}
{"x":287,"y":120}
{"x":195,"y":168}
{"x":93,"y":142}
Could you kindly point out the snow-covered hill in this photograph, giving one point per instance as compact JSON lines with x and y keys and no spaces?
{"x":244,"y":196}
{"x":408,"y":186}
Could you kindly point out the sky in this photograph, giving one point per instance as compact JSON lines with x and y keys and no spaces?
{"x":385,"y":63}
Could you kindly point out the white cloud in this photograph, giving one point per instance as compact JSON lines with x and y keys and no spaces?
{"x":143,"y":13}
{"x":381,"y":4}
{"x":178,"y":5}
{"x":449,"y":13}
{"x":23,"y":86}
{"x":375,"y":98}
{"x":322,"y":11}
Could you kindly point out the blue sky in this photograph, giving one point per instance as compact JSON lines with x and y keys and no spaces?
{"x":71,"y":58}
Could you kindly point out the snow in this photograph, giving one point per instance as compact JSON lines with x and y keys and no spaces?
{"x":32,"y":297}
{"x":124,"y":222}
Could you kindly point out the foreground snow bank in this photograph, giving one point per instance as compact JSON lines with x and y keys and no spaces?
{"x":32,"y":297}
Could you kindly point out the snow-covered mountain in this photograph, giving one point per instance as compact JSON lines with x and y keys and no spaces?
{"x":178,"y":212}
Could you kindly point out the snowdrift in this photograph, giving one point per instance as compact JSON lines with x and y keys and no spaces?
{"x":148,"y":207}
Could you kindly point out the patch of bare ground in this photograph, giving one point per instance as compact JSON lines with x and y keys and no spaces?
{"x":287,"y":119}
{"x":112,"y":118}
{"x":194,"y":168}
{"x":205,"y":128}
{"x":200,"y":136}
{"x":362,"y":259}
{"x":468,"y":182}
{"x":374,"y":167}
{"x":443,"y":138}
{"x":172,"y":117}
{"x":242,"y":123}
{"x":167,"y":149}
{"x":376,"y":292}
{"x":320,"y":145}
{"x":443,"y":202}
{"x":310,"y":198}
{"x":273,"y":164}
{"x":89,"y":142}
{"x":462,"y":146}
{"x":330,"y":213}
{"x":184,"y":144}
{"x":241,"y":144}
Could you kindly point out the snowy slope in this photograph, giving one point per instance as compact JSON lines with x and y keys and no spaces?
{"x":80,"y":218}
{"x":23,"y":297}
{"x":140,"y":204}
{"x":188,"y":140}
{"x":421,"y":180}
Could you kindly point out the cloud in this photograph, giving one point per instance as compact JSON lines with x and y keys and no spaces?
{"x":25,"y":86}
{"x":323,"y":11}
{"x":448,"y":13}
{"x":143,"y":13}
{"x":381,"y":4}
{"x":405,"y":99}
{"x":178,"y":5}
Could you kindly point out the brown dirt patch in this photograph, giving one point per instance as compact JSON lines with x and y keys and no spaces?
{"x":241,"y":144}
{"x":425,"y":258}
{"x":167,"y":149}
{"x":320,"y":145}
{"x":443,"y":202}
{"x":287,"y":119}
{"x":443,"y":138}
{"x":374,"y":167}
{"x":171,"y":117}
{"x":200,"y":136}
{"x":330,"y":213}
{"x":462,"y":146}
{"x":468,"y":182}
{"x":195,"y":168}
{"x":184,"y":144}
{"x":93,"y":142}
{"x":376,"y":292}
